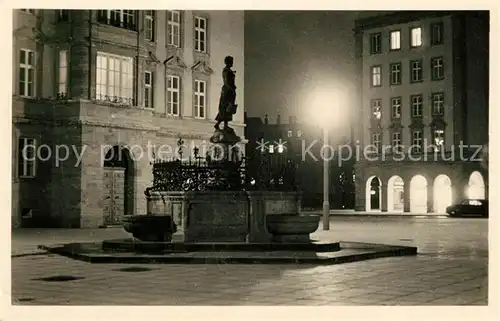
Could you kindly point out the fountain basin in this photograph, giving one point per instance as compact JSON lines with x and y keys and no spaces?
{"x":292,"y":227}
{"x":150,"y":228}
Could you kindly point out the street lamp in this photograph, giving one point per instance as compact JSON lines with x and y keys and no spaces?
{"x":323,"y":111}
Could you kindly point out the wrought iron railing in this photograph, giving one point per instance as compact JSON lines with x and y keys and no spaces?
{"x":198,"y":173}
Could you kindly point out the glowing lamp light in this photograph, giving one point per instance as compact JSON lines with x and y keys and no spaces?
{"x":324,"y":107}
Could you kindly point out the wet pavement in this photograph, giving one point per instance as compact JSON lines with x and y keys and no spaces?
{"x":451,"y":269}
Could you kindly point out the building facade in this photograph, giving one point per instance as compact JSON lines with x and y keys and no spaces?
{"x":423,"y":90}
{"x":100,"y":94}
{"x":302,"y":144}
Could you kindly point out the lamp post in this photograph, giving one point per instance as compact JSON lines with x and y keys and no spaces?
{"x":326,"y":182}
{"x":325,"y":104}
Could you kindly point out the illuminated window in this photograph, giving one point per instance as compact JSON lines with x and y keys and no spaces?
{"x":114,"y":78}
{"x":200,"y":34}
{"x":26,"y":73}
{"x":290,"y":133}
{"x":395,"y":40}
{"x":438,"y":139}
{"x":416,"y":37}
{"x":173,"y":95}
{"x":118,"y":18}
{"x":377,"y":108}
{"x":200,"y":99}
{"x":148,"y":89}
{"x":271,"y":149}
{"x":149,"y":25}
{"x":63,"y":73}
{"x":376,"y":76}
{"x":174,"y":28}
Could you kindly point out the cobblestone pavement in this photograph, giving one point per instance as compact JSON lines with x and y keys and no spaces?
{"x":452,"y":269}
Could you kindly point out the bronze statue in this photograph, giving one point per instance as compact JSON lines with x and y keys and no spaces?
{"x":227,"y":106}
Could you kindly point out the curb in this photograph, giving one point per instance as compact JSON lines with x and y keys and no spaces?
{"x":441,"y":216}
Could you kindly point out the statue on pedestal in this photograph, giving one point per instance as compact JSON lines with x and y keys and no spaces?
{"x":227,"y":105}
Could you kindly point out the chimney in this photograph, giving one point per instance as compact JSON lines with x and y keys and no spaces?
{"x":266,"y":120}
{"x":245,"y":115}
{"x":278,"y":120}
{"x":290,"y":120}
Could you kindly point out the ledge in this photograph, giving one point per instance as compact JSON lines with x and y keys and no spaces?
{"x":349,"y":252}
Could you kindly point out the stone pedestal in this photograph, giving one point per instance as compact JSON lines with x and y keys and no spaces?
{"x":210,"y":216}
{"x":223,"y":216}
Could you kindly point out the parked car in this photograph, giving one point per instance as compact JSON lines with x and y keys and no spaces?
{"x":469,"y":208}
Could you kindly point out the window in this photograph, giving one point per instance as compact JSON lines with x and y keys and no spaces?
{"x":173,"y":95}
{"x":281,"y":148}
{"x":200,"y":99}
{"x":375,"y":43}
{"x":63,"y":74}
{"x":416,"y":106}
{"x":396,"y":139}
{"x":26,"y":157}
{"x":62,"y":15}
{"x":438,"y":103}
{"x":26,"y":73}
{"x":416,"y":71}
{"x":299,"y":133}
{"x":417,"y":139}
{"x":438,"y":139}
{"x":114,"y":78}
{"x":396,"y":107}
{"x":118,"y":18}
{"x":290,"y":133}
{"x":376,"y":108}
{"x":437,"y":33}
{"x":376,"y":76}
{"x":200,"y":34}
{"x":437,"y":68}
{"x":149,"y":25}
{"x":148,"y":89}
{"x":174,"y":28}
{"x":376,"y":141}
{"x":271,"y":149}
{"x":395,"y":40}
{"x":416,"y":36}
{"x":396,"y":73}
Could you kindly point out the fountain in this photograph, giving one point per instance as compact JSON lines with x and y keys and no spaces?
{"x":223,"y":208}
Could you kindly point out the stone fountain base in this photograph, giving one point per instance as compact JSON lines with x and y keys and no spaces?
{"x":349,"y":252}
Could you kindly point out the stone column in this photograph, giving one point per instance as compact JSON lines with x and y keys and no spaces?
{"x":81,"y":67}
{"x":406,"y":197}
{"x":360,"y":191}
{"x":383,"y":194}
{"x":430,"y":198}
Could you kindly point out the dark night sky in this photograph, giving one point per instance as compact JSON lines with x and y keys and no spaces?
{"x":289,"y":52}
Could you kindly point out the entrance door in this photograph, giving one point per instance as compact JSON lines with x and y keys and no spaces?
{"x":114,"y":195}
